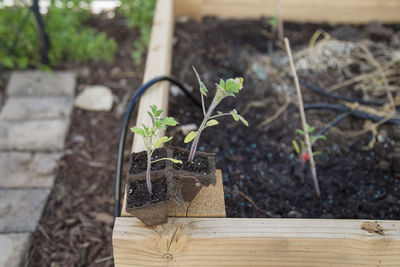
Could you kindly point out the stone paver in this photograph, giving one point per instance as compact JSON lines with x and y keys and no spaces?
{"x":36,"y":108}
{"x":20,"y":209}
{"x":27,"y":169}
{"x":14,"y":249}
{"x":39,"y":83}
{"x":33,"y":125}
{"x":40,"y":135}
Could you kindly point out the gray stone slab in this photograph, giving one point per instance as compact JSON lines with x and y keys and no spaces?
{"x":38,"y":135}
{"x":40,"y":83}
{"x":31,"y":108}
{"x":27,"y":170}
{"x":14,"y":249}
{"x":21,"y":209}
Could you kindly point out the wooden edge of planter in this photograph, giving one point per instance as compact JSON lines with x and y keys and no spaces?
{"x":257,"y":242}
{"x":209,"y":202}
{"x":317,"y":11}
{"x":158,"y":63}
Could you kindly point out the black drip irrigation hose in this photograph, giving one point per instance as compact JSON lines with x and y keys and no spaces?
{"x":355,"y":113}
{"x":44,"y":38}
{"x":125,"y":123}
{"x":334,"y":122}
{"x":340,"y":97}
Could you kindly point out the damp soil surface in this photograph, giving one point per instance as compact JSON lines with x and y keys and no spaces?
{"x":138,"y":162}
{"x":199,"y":164}
{"x":260,"y":162}
{"x":138,"y":195}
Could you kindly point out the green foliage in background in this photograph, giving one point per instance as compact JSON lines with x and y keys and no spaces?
{"x":70,"y":40}
{"x":140,"y":15}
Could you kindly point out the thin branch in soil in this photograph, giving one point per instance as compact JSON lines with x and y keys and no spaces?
{"x":379,"y":68}
{"x":303,"y":119}
{"x":280,"y":110}
{"x":278,"y":8}
{"x":252,"y":202}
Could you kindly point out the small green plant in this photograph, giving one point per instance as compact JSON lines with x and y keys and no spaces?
{"x":226,"y":88}
{"x":302,"y":149}
{"x":151,"y":142}
{"x":140,"y":15}
{"x":71,"y":41}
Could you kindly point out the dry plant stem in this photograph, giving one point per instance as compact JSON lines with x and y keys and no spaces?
{"x":303,"y":119}
{"x":381,"y":73}
{"x":252,"y":202}
{"x":370,"y":128}
{"x":278,"y":8}
{"x":280,"y":110}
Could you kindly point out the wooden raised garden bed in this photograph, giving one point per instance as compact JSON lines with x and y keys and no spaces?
{"x":203,"y":236}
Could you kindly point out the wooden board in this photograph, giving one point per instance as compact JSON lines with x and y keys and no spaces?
{"x":318,"y":11}
{"x":209,"y":202}
{"x":257,"y":242}
{"x":158,"y":63}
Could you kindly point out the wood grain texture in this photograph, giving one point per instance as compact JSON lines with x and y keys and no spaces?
{"x":209,"y":202}
{"x":318,"y":11}
{"x":256,"y":242}
{"x":158,"y":63}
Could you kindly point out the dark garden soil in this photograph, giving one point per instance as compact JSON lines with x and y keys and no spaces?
{"x":139,"y":196}
{"x":76,"y":226}
{"x":260,"y":162}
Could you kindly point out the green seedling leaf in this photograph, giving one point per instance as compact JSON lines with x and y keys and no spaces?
{"x":151,"y":115}
{"x":159,"y":124}
{"x":190,"y":136}
{"x":212,"y":123}
{"x":203,"y":88}
{"x":300,"y":131}
{"x":175,"y":160}
{"x":138,"y":130}
{"x":238,"y":117}
{"x":169,"y":121}
{"x":156,"y":112}
{"x":296,"y":147}
{"x":233,"y":85}
{"x":161,"y":140}
{"x":310,"y":129}
{"x":316,"y":153}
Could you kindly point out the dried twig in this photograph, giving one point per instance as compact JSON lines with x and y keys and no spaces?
{"x":379,"y":68}
{"x":278,"y":8}
{"x":303,"y":119}
{"x":280,"y":110}
{"x":252,"y":202}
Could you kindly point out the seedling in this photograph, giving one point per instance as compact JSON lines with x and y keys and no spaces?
{"x":302,"y":149}
{"x":151,"y":142}
{"x":226,"y":88}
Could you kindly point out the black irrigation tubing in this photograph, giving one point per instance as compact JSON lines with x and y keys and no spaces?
{"x":340,"y":97}
{"x":334,"y":122}
{"x":127,"y":117}
{"x":44,"y":38}
{"x":355,"y":113}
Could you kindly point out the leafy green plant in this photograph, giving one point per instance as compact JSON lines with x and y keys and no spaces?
{"x":151,"y":142}
{"x":302,"y":149}
{"x":140,"y":15}
{"x":70,"y":40}
{"x":226,"y":88}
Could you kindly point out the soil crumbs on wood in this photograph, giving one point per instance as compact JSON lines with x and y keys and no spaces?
{"x":260,"y":162}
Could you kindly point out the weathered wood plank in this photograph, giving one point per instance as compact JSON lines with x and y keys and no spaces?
{"x":318,"y":11}
{"x":158,"y":63}
{"x":257,"y":242}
